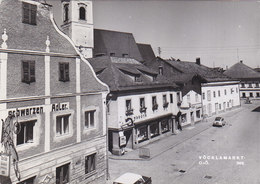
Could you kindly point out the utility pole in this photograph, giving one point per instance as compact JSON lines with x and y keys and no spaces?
{"x":159,"y":51}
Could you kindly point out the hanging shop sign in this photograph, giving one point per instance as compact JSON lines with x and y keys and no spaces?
{"x":122,"y":139}
{"x":60,"y":106}
{"x":26,"y":111}
{"x":4,"y":164}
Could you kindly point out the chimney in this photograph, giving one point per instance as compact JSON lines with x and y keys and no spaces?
{"x":198,"y":61}
{"x":241,"y":61}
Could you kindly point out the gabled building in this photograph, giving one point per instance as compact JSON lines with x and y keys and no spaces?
{"x":250,"y":79}
{"x":53,"y":97}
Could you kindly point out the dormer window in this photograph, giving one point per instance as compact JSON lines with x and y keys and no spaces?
{"x":29,"y":13}
{"x":138,"y":78}
{"x":124,"y":55}
{"x":66,"y":12}
{"x":82,"y":13}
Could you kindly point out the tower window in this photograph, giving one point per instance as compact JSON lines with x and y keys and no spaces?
{"x":82,"y":13}
{"x":66,"y":12}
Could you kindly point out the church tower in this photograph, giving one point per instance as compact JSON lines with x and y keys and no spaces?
{"x":77,"y":23}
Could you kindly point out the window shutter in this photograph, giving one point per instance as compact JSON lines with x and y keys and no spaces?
{"x":32,"y":71}
{"x":33,"y":14}
{"x":26,"y":13}
{"x":61,"y":68}
{"x":25,"y":73}
{"x":67,"y":76}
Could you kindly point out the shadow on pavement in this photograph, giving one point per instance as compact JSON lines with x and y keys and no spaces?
{"x":256,"y":109}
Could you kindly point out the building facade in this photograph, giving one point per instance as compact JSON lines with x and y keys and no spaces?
{"x":53,"y":96}
{"x":249,"y":80}
{"x":141,"y":105}
{"x":218,"y":97}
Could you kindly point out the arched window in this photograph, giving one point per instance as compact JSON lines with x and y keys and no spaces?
{"x":66,"y":12}
{"x":82,"y":13}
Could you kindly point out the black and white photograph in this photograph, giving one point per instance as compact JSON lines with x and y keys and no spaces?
{"x":129,"y":92}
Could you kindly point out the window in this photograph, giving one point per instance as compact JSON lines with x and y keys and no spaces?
{"x":250,"y":85}
{"x":160,"y":70}
{"x":90,"y":163}
{"x":165,"y":126}
{"x":244,"y":95}
{"x":242,"y":85}
{"x":209,"y":95}
{"x":112,"y":54}
{"x":26,"y":133}
{"x":178,"y":97}
{"x":82,"y":13}
{"x":29,"y":13}
{"x":171,"y":98}
{"x":165,"y":103}
{"x":203,"y":96}
{"x":257,"y":94}
{"x":28,"y":181}
{"x":125,"y":55}
{"x":154,"y":129}
{"x":225,"y":92}
{"x":219,"y":106}
{"x":28,"y":71}
{"x":66,"y":12}
{"x":64,"y":72}
{"x":236,"y":90}
{"x":214,"y":94}
{"x":142,"y":105}
{"x":251,"y":94}
{"x":129,"y":110}
{"x":141,"y":133}
{"x":62,"y":125}
{"x":62,"y":174}
{"x":257,"y":85}
{"x":218,"y":92}
{"x":154,"y":103}
{"x":231,"y":91}
{"x":90,"y":119}
{"x":138,"y":78}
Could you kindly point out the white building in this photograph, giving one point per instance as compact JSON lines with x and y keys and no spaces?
{"x":218,"y":97}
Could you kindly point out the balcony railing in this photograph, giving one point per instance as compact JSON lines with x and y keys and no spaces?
{"x":129,"y":112}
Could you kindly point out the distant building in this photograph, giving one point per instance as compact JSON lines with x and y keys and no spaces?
{"x":218,"y":92}
{"x":250,"y":79}
{"x":56,"y":99}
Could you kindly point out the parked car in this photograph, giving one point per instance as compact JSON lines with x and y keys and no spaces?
{"x":132,"y":178}
{"x":219,"y":121}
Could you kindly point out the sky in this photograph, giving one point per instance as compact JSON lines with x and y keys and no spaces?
{"x":220,"y":32}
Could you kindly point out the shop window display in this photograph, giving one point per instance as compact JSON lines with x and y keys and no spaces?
{"x":141,"y":133}
{"x":154,"y":129}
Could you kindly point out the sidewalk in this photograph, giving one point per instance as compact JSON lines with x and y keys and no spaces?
{"x":158,"y":147}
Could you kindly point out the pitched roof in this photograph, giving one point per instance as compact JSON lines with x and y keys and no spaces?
{"x":206,"y":73}
{"x":241,"y":71}
{"x":118,"y":74}
{"x":107,"y":42}
{"x":146,"y":52}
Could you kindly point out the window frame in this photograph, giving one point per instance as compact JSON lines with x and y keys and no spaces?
{"x":32,"y":13}
{"x":28,"y":179}
{"x":66,"y":12}
{"x":62,"y":171}
{"x":91,"y":170}
{"x":28,"y":141}
{"x":31,"y":71}
{"x":82,"y":13}
{"x":63,"y":132}
{"x":87,"y":115}
{"x":64,"y":71}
